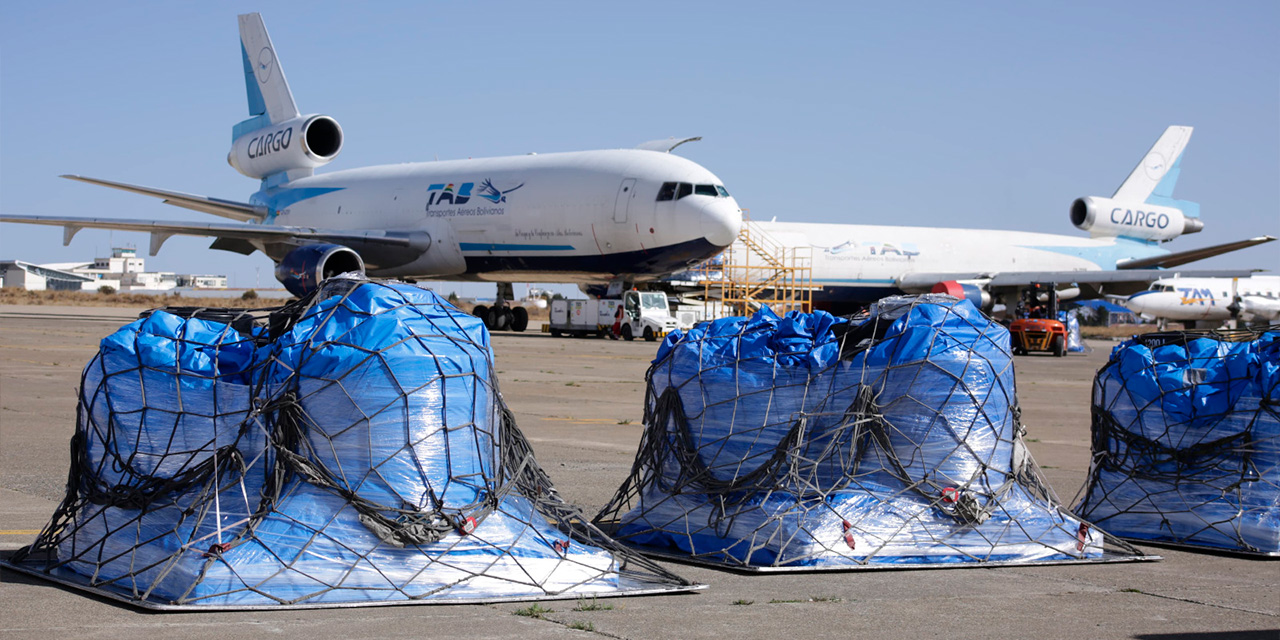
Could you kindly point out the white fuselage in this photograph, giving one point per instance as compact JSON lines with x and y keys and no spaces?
{"x":860,"y":263}
{"x":587,"y":216}
{"x":1191,"y":299}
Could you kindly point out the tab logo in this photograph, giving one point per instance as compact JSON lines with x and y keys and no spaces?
{"x":441,"y":194}
{"x":494,"y":194}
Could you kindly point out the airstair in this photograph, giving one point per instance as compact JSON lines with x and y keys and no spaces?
{"x":758,"y":270}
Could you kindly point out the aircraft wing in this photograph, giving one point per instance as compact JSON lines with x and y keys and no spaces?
{"x":241,"y":211}
{"x":1119,"y":282}
{"x":227,"y":233}
{"x":1183,"y":257}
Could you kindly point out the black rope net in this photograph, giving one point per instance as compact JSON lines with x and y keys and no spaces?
{"x":1186,"y":441}
{"x":811,"y":442}
{"x":351,"y":448}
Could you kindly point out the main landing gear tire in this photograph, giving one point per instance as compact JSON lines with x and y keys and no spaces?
{"x":482,"y":312}
{"x":499,"y":319}
{"x":519,"y":319}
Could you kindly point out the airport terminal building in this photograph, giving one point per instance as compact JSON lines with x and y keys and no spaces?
{"x":122,"y":271}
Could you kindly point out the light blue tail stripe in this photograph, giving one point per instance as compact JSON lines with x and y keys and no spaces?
{"x":257,"y":106}
{"x":1162,"y":195}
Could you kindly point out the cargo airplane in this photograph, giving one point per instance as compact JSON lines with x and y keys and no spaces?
{"x":1209,"y":300}
{"x":853,"y":265}
{"x":612,"y":216}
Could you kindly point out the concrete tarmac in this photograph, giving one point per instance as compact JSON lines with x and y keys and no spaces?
{"x":579,"y":401}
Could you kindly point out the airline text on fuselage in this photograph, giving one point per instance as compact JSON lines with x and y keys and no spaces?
{"x":1138,"y":218}
{"x":1192,"y":296}
{"x":270,"y":143}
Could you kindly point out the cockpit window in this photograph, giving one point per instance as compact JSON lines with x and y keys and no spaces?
{"x":677,"y":190}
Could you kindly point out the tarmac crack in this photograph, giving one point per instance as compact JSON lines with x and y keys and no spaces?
{"x":1269,"y":614}
{"x":570,"y":624}
{"x":1209,"y":604}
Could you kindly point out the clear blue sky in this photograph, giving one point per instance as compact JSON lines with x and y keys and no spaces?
{"x":984,"y":115}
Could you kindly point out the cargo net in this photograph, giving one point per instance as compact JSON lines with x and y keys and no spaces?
{"x":1186,"y":441}
{"x":811,"y":442}
{"x":351,"y":448}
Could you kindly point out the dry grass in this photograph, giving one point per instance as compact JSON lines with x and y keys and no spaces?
{"x":144,"y":301}
{"x":1121,"y":330}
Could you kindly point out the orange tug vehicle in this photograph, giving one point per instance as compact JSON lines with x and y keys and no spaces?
{"x":1035,"y":326}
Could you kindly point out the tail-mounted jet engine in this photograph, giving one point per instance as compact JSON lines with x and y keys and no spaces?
{"x":304,"y":268}
{"x":305,"y":142}
{"x":1104,"y":217}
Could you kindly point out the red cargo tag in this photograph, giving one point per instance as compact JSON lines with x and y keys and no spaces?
{"x":468,"y":526}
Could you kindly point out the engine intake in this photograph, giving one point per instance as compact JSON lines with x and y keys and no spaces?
{"x":303,"y":269}
{"x":305,"y":142}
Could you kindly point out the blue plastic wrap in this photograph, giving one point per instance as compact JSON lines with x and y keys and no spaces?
{"x":1186,"y":442}
{"x":358,"y":454}
{"x":806,"y":442}
{"x":161,"y":400}
{"x":1075,"y":343}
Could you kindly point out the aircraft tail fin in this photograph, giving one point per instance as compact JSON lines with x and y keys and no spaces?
{"x":1152,"y":181}
{"x":270,"y":101}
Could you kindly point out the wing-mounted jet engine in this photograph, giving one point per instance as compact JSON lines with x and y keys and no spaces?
{"x":303,"y":269}
{"x":304,"y":142}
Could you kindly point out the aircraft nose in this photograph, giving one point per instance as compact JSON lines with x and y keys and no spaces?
{"x":720,"y":221}
{"x":1136,"y":302}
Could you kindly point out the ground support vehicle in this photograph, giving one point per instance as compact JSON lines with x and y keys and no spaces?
{"x":1035,"y":326}
{"x":639,"y":314}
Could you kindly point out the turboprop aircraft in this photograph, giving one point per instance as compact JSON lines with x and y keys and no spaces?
{"x":1209,"y":300}
{"x":610,"y":217}
{"x":853,"y":265}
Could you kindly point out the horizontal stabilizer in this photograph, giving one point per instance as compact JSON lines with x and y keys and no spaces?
{"x":241,"y":211}
{"x":1128,"y":276}
{"x":1183,"y":257}
{"x":923,"y":282}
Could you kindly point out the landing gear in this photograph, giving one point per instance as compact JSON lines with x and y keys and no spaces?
{"x":502,"y":316}
{"x":519,"y":319}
